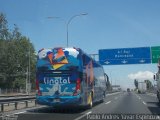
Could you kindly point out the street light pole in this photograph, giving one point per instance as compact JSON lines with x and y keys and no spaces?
{"x":69,"y":21}
{"x":27,"y":80}
{"x":28,"y":73}
{"x":29,"y":70}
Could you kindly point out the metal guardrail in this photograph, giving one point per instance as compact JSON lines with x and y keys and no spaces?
{"x":16,"y":101}
{"x":6,"y":96}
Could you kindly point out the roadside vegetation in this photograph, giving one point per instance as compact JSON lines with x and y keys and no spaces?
{"x":17,"y":53}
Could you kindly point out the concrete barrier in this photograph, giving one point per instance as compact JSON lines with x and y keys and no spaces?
{"x":15,"y":103}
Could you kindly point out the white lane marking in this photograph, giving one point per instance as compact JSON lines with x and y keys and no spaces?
{"x":152,"y":94}
{"x":144,"y":103}
{"x":138,"y":97}
{"x":116,"y":98}
{"x":83,"y":115}
{"x":20,"y":112}
{"x":12,"y":115}
{"x":108,"y":102}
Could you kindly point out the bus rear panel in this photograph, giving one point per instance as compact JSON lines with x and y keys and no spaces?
{"x":58,"y":77}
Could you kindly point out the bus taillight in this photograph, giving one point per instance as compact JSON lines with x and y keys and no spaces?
{"x":78,"y":84}
{"x":78,"y":87}
{"x":37,"y":88}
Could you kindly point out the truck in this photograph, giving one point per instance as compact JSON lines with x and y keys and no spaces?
{"x":157,"y":79}
{"x":142,"y":87}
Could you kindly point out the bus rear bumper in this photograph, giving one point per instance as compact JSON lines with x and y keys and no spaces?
{"x":59,"y":101}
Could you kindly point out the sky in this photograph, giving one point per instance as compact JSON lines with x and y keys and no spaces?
{"x":108,"y":24}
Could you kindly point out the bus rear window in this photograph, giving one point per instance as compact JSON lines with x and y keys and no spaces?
{"x":59,"y":59}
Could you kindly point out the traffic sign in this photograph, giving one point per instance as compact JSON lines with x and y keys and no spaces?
{"x":140,"y":55}
{"x":155,"y":54}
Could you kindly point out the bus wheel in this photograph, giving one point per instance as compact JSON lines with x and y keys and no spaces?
{"x":158,"y":96}
{"x":90,"y":101}
{"x":103,"y":97}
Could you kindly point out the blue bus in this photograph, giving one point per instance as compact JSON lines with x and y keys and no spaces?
{"x":68,"y":77}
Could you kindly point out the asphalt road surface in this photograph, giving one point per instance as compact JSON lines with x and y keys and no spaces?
{"x":117,"y":106}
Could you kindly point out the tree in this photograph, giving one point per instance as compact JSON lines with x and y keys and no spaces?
{"x":136,"y":83}
{"x":16,"y":51}
{"x":4,"y":34}
{"x":3,"y":37}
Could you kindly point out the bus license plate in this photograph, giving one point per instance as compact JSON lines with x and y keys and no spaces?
{"x":56,"y":100}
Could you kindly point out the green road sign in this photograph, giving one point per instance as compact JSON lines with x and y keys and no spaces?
{"x":155,"y":54}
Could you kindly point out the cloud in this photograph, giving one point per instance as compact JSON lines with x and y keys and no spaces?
{"x":141,"y":75}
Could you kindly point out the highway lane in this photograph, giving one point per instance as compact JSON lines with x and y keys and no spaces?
{"x":117,"y":104}
{"x":151,"y":102}
{"x":124,"y":103}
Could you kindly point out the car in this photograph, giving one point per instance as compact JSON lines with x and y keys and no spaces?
{"x":128,"y":90}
